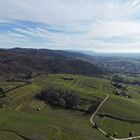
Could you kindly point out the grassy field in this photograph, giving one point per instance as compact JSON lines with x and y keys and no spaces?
{"x":20,"y":119}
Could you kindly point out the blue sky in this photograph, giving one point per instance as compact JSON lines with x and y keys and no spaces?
{"x":98,"y":25}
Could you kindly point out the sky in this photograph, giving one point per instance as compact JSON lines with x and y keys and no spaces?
{"x":96,"y":25}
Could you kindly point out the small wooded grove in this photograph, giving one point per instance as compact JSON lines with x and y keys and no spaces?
{"x":68,"y":99}
{"x":59,"y":97}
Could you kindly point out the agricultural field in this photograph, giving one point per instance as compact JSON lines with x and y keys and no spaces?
{"x":26,"y":118}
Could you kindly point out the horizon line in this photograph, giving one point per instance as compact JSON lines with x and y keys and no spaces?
{"x":74,"y":50}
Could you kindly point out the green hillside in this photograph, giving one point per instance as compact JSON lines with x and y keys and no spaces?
{"x":24,"y":117}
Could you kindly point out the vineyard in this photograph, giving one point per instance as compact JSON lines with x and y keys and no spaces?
{"x":23,"y":117}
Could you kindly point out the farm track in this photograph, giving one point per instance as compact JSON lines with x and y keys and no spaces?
{"x":93,"y":115}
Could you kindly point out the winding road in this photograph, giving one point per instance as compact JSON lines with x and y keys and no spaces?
{"x":101,"y":130}
{"x":93,"y":115}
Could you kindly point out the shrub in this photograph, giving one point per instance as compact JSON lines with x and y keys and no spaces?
{"x":131,"y":133}
{"x":3,"y":106}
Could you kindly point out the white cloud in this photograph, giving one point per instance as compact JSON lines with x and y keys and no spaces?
{"x":11,"y":39}
{"x":90,"y":24}
{"x":109,"y":29}
{"x":57,"y":11}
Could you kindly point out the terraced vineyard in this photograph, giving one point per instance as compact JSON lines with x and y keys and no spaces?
{"x":20,"y":119}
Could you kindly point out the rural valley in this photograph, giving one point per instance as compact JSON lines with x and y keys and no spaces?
{"x":69,"y":69}
{"x":58,"y":105}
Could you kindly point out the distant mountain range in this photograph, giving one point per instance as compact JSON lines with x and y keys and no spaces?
{"x":92,"y":53}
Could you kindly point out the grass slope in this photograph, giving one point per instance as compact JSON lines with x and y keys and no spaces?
{"x":21,"y":116}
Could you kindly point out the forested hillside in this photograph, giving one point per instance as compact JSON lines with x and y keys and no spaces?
{"x":26,"y":62}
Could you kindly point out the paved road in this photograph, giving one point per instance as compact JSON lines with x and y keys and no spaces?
{"x":131,"y":138}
